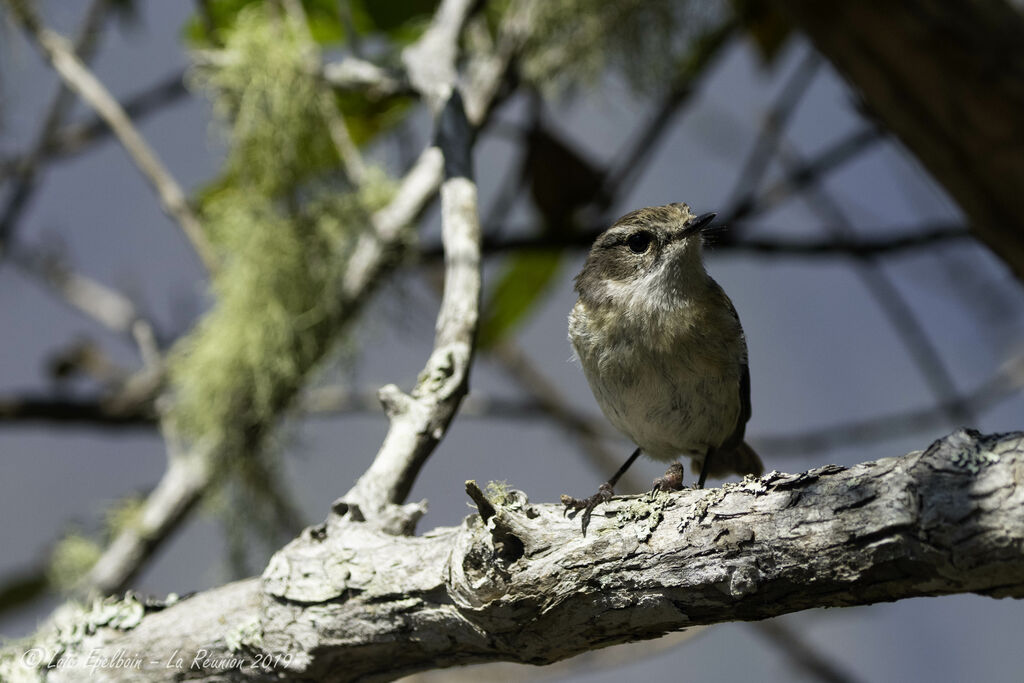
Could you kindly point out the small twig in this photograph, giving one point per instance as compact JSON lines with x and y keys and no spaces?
{"x":891,"y":242}
{"x":800,"y":654}
{"x":624,"y":173}
{"x":749,"y":178}
{"x":801,"y":175}
{"x":74,"y":137}
{"x":483,"y":505}
{"x":94,"y":413}
{"x":27,"y":169}
{"x":890,"y":300}
{"x":354,"y":74}
{"x":103,"y":304}
{"x":1005,"y":383}
{"x":81,"y":80}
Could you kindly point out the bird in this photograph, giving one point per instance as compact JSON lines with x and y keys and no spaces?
{"x":663,"y":350}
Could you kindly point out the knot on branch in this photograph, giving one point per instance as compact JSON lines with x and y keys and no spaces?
{"x":394,"y":401}
{"x":481,"y":565}
{"x":445,"y":372}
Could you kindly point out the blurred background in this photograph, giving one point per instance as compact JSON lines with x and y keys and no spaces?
{"x":876,"y":320}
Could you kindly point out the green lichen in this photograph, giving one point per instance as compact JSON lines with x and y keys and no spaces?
{"x":499,"y":492}
{"x":699,"y":510}
{"x":26,"y":660}
{"x":245,"y":637}
{"x":644,"y":513}
{"x":73,"y":556}
{"x":124,"y":514}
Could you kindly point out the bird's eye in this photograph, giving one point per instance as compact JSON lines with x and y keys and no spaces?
{"x":639,"y":242}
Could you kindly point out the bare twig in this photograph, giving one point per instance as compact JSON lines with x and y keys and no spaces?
{"x":800,"y":175}
{"x":354,"y":74}
{"x":94,"y":413}
{"x":75,"y":137}
{"x":179,"y":489}
{"x":103,"y":304}
{"x":893,"y":241}
{"x":802,"y":656}
{"x":894,"y":305}
{"x":1007,"y":382}
{"x":749,"y":178}
{"x":624,"y":173}
{"x":28,"y":167}
{"x":80,"y":79}
{"x":419,"y":420}
{"x":106,"y":306}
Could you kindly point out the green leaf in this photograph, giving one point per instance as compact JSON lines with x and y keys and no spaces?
{"x":525,"y":278}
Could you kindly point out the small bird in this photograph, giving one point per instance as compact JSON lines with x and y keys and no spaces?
{"x":662,"y":348}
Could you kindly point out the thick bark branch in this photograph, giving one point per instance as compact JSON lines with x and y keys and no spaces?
{"x":946,"y":78}
{"x":346,"y":602}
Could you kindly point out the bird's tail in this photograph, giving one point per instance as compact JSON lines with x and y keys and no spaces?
{"x":740,"y":460}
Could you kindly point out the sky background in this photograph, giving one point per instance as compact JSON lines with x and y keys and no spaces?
{"x":821,"y":351}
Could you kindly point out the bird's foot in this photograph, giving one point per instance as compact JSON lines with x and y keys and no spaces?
{"x":603,"y":495}
{"x":671,"y":481}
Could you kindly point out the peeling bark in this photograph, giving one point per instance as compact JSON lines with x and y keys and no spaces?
{"x":347,"y":602}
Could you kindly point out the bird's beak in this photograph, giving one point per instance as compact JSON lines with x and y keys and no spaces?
{"x":698,"y":224}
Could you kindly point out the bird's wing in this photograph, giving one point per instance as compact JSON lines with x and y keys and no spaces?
{"x":744,"y":388}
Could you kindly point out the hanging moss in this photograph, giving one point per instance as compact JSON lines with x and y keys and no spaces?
{"x":266,"y":96}
{"x":275,"y":313}
{"x":284,"y":222}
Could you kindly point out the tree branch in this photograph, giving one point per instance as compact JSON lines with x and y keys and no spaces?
{"x":72,"y":137}
{"x":894,"y":243}
{"x":26,"y":172}
{"x":81,"y":80}
{"x":346,"y":602}
{"x":419,"y":420}
{"x":376,"y":82}
{"x":102,"y":413}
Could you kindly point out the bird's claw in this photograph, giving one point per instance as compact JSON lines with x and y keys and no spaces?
{"x":672,"y":479}
{"x":603,"y":495}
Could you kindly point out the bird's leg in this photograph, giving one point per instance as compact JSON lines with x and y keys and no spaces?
{"x":604,"y":493}
{"x":704,"y":468}
{"x":672,"y":481}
